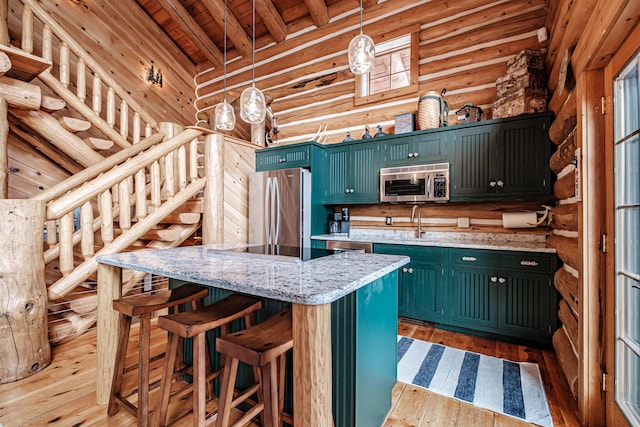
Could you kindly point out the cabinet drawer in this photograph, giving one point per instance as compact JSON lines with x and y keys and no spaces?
{"x":523,"y":261}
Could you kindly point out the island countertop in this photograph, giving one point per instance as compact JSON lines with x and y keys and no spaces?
{"x":318,"y":281}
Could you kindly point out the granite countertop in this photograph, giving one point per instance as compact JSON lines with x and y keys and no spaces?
{"x":495,"y":241}
{"x":319,"y":281}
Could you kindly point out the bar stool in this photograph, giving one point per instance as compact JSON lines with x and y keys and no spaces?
{"x":143,"y":305}
{"x":262,"y":346}
{"x":195,"y":324}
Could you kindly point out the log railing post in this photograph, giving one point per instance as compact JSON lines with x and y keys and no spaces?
{"x":4,"y":147}
{"x":24,"y":341}
{"x":27,"y":30}
{"x":213,"y":209}
{"x":4,"y":25}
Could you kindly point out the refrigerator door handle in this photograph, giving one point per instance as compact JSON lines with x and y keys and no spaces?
{"x":277,"y":209}
{"x":267,"y":209}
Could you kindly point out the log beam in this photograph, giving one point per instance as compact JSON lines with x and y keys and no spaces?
{"x":20,"y":94}
{"x":569,"y":321}
{"x":193,"y":30}
{"x":565,"y":187}
{"x":235,"y":32}
{"x":5,"y":63}
{"x":565,"y":217}
{"x":318,"y":11}
{"x":271,"y":19}
{"x":564,"y":155}
{"x":567,"y":284}
{"x":567,"y":248}
{"x":4,"y":27}
{"x":567,"y":358}
{"x":565,"y":121}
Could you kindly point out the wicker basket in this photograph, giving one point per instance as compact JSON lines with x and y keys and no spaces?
{"x":431,"y":111}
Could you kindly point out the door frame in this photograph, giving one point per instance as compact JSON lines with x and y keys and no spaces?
{"x":627,"y":50}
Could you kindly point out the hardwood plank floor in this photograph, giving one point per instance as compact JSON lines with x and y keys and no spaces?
{"x":63,"y":394}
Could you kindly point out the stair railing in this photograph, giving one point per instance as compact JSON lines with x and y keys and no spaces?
{"x":100,"y":112}
{"x":164,"y":176}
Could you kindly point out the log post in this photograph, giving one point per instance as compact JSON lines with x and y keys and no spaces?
{"x":4,"y":25}
{"x":213,"y":210}
{"x":24,"y":341}
{"x":4,"y":149}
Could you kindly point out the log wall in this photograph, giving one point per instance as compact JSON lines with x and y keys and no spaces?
{"x":463,"y":47}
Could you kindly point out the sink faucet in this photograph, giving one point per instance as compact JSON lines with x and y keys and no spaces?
{"x":413,"y":215}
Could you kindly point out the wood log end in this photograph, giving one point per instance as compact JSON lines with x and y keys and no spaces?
{"x":99,"y":143}
{"x":5,"y":63}
{"x":51,"y":104}
{"x":74,"y":125}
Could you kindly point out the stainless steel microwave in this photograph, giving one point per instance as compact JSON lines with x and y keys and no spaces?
{"x":420,"y":183}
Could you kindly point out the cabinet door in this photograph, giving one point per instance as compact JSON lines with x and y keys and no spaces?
{"x":418,"y":149}
{"x":422,"y":283}
{"x":364,"y":174}
{"x":283,"y":158}
{"x":473,"y":170}
{"x":522,"y":168}
{"x":474,"y":298}
{"x":336,"y":178}
{"x":525,"y":303}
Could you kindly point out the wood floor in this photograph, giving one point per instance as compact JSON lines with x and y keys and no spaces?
{"x":63,"y":394}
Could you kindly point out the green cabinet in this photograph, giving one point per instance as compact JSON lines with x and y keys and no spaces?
{"x":503,"y":159}
{"x":420,"y":284}
{"x":286,"y":156}
{"x":506,"y":293}
{"x":351,"y":173}
{"x":415,"y":149}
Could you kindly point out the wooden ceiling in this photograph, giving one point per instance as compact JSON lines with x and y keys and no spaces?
{"x":196,"y":26}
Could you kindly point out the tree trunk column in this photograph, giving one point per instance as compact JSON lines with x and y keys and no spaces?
{"x":24,"y":342}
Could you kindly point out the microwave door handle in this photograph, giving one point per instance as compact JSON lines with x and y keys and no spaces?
{"x":429,"y":190}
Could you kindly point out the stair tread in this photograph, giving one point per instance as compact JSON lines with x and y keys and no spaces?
{"x":25,"y":66}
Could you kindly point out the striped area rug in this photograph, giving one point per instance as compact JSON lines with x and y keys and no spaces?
{"x":511,"y":388}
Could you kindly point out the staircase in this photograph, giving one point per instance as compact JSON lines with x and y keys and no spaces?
{"x":133,"y":192}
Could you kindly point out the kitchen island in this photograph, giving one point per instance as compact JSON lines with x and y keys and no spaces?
{"x":354,"y":290}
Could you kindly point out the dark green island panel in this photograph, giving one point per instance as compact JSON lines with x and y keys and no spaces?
{"x":364,"y":327}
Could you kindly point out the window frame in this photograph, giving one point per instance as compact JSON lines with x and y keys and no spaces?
{"x":414,"y":32}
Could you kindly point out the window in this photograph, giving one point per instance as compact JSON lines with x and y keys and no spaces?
{"x":395,"y":70}
{"x":627,"y":239}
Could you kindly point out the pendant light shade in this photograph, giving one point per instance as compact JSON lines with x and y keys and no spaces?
{"x":253,"y":108}
{"x":225,"y":118}
{"x":362,"y":52}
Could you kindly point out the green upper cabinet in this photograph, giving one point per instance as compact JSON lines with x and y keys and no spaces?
{"x":505,"y":159}
{"x":351,"y":173}
{"x":416,"y":149}
{"x":286,"y":156}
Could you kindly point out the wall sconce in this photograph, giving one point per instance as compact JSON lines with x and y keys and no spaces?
{"x":153,"y":77}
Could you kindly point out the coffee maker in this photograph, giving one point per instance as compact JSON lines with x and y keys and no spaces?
{"x":339,"y":222}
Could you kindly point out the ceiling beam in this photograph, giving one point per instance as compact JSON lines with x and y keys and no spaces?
{"x":235,"y":32}
{"x":369,"y":3}
{"x":271,"y":19}
{"x":319,"y":12}
{"x":192,"y":30}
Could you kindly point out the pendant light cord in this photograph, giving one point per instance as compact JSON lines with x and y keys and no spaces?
{"x":225,"y":51}
{"x":253,"y":43}
{"x":360,"y":17}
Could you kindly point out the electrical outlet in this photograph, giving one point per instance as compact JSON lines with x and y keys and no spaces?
{"x":389,"y":220}
{"x":463,"y":222}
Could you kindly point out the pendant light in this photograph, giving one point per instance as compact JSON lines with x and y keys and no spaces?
{"x":362,"y":52}
{"x":253,"y":107}
{"x":225,"y":118}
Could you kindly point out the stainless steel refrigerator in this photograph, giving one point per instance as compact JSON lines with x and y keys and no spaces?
{"x":280,"y":208}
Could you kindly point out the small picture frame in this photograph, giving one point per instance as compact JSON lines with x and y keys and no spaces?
{"x":404,"y":123}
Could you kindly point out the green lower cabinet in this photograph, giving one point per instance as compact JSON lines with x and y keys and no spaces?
{"x":420,"y":283}
{"x":510,"y":294}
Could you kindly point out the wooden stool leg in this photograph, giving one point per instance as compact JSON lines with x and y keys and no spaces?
{"x":118,"y":372}
{"x":270,"y":394}
{"x":167,"y":378}
{"x":199,"y":380}
{"x":282,"y":361}
{"x":226,"y":392}
{"x":143,"y":372}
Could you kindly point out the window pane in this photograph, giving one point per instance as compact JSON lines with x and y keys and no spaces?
{"x":631,"y":391}
{"x":401,"y":61}
{"x":627,"y":102}
{"x":627,"y":163}
{"x":399,"y":80}
{"x":627,"y":255}
{"x":632,"y":323}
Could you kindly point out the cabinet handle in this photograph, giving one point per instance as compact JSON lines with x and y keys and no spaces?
{"x":410,"y":270}
{"x":415,"y":154}
{"x":410,"y":155}
{"x":346,"y":190}
{"x":282,"y":160}
{"x":404,"y":269}
{"x":500,"y":183}
{"x":492,"y":183}
{"x":528,"y":263}
{"x":494,"y":279}
{"x":501,"y":280}
{"x":469,"y":258}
